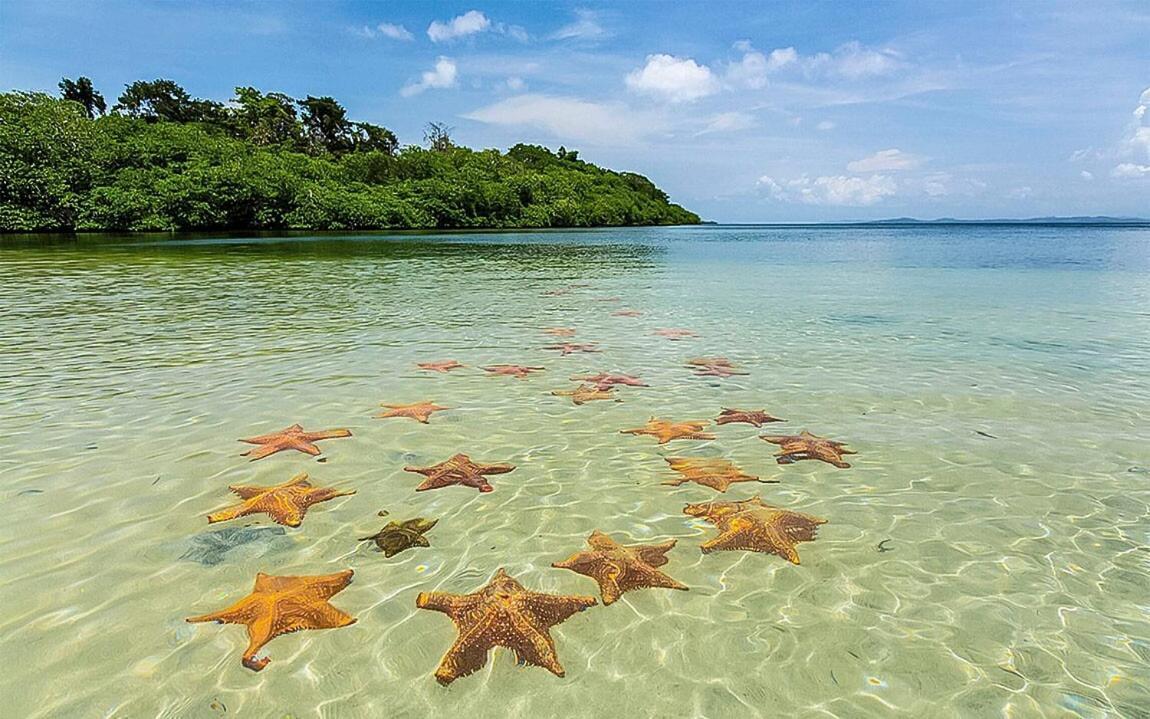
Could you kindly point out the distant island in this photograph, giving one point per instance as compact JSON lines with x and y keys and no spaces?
{"x":1074,"y":220}
{"x":160,"y":159}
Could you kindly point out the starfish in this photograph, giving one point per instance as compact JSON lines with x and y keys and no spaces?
{"x":718,"y":474}
{"x":665,"y":430}
{"x":459,"y":470}
{"x":675,"y":334}
{"x":808,"y":446}
{"x":398,"y":536}
{"x":419,"y":411}
{"x":512,"y":370}
{"x":586,"y":393}
{"x":618,"y":569}
{"x":718,"y":371}
{"x":291,"y":438}
{"x":560,"y":331}
{"x":280,"y":605}
{"x":502,"y":614}
{"x":567,"y":348}
{"x":605,"y":380}
{"x":285,"y":503}
{"x":710,"y":362}
{"x":627,"y":313}
{"x":441,"y":366}
{"x":757,"y":417}
{"x":756,"y":527}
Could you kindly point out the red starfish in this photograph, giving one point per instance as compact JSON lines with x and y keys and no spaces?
{"x":441,"y":366}
{"x":757,"y":417}
{"x":291,"y":438}
{"x":559,"y":331}
{"x":512,"y":370}
{"x":567,"y":348}
{"x":604,"y":380}
{"x":459,"y":470}
{"x":675,"y":334}
{"x":718,"y":371}
{"x":627,"y":313}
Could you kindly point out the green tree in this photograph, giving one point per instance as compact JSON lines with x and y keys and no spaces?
{"x":81,"y":91}
{"x":269,"y":119}
{"x":165,"y":100}
{"x":437,"y":135}
{"x":325,"y":124}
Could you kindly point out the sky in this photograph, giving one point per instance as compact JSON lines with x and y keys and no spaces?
{"x":743,"y":112}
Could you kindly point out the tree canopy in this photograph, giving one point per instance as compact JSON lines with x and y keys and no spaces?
{"x":163,"y":160}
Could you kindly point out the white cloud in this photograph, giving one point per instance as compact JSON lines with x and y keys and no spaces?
{"x":515,"y":84}
{"x":851,"y":61}
{"x":585,"y":27}
{"x":890,"y":160}
{"x":825,"y":125}
{"x":1130,"y":170}
{"x":468,"y":23}
{"x":395,"y":32}
{"x":840,"y":190}
{"x":752,"y":69}
{"x":1086,"y":175}
{"x":567,"y":118}
{"x":781,"y":57}
{"x":673,"y":78}
{"x":728,"y":122}
{"x":440,"y":77}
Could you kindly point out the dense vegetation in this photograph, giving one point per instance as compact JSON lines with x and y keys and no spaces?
{"x":161,"y":160}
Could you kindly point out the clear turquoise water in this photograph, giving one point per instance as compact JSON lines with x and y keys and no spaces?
{"x":1016,"y":586}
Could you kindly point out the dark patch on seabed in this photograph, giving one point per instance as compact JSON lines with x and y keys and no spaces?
{"x":211,"y":548}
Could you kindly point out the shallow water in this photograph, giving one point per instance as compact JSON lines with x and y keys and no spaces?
{"x":994,"y":381}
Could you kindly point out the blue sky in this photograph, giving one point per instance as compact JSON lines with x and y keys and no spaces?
{"x":765,"y":111}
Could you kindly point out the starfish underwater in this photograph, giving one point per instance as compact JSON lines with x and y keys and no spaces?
{"x":755,"y":526}
{"x":713,"y":472}
{"x":618,"y":569}
{"x":757,"y":417}
{"x":291,"y":438}
{"x":805,"y":445}
{"x":567,"y":348}
{"x":459,"y":469}
{"x":675,"y":334}
{"x":714,"y":367}
{"x":665,"y":430}
{"x":501,"y":614}
{"x":280,"y":605}
{"x":587,"y":393}
{"x":560,"y":331}
{"x":285,"y":503}
{"x":605,"y":380}
{"x":627,"y":313}
{"x":419,"y":411}
{"x":441,"y":366}
{"x":399,"y":536}
{"x":512,"y":370}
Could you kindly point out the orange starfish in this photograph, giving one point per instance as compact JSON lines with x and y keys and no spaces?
{"x":560,"y":331}
{"x":675,"y":334}
{"x":757,"y":417}
{"x":459,"y":469}
{"x":586,"y":393}
{"x":291,"y":438}
{"x":279,"y":605}
{"x":605,"y":380}
{"x":501,"y":614}
{"x":714,"y":367}
{"x":512,"y":370}
{"x":805,"y":445}
{"x":718,"y":474}
{"x":285,"y":503}
{"x":419,"y":411}
{"x":665,"y":430}
{"x":710,"y":362}
{"x":441,"y":366}
{"x":627,"y":313}
{"x":567,"y":348}
{"x":756,"y":527}
{"x":619,"y":569}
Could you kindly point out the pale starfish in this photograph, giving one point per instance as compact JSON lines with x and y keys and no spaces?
{"x":665,"y":430}
{"x":291,"y":438}
{"x":675,"y":334}
{"x":512,"y":370}
{"x":757,"y":417}
{"x":793,"y":448}
{"x":459,"y":469}
{"x":710,"y":362}
{"x":560,"y":331}
{"x":605,"y":380}
{"x":713,"y":472}
{"x":755,"y":526}
{"x":567,"y":348}
{"x":279,"y":605}
{"x":419,"y":411}
{"x":619,"y":569}
{"x":718,"y":371}
{"x":586,"y":393}
{"x":441,"y":366}
{"x":501,"y":614}
{"x":627,"y":313}
{"x":285,"y":503}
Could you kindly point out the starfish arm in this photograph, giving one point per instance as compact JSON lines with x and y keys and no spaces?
{"x":328,"y":585}
{"x":327,"y":434}
{"x":239,"y":510}
{"x":500,"y":468}
{"x":551,"y":609}
{"x":304,"y":445}
{"x":264,"y":438}
{"x":728,"y":541}
{"x":463,"y":658}
{"x":782,"y":543}
{"x":640,"y":577}
{"x":533,"y":645}
{"x":455,"y":606}
{"x":654,"y":554}
{"x":677,"y":482}
{"x":247,"y":491}
{"x":421,"y":541}
{"x":238,"y":613}
{"x":260,"y":632}
{"x":262,"y":451}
